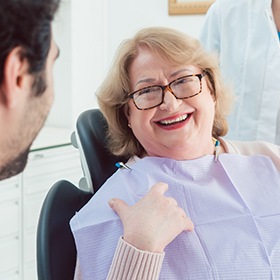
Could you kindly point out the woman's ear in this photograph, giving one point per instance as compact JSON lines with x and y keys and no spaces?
{"x":213,"y":94}
{"x":126,"y":111}
{"x":16,"y":78}
{"x":214,"y":99}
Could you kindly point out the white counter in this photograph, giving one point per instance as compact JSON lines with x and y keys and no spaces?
{"x":52,"y":137}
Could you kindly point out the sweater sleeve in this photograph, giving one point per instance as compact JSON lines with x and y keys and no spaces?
{"x":253,"y":148}
{"x":132,"y":263}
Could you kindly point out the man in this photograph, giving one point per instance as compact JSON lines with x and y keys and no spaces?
{"x":27,"y":55}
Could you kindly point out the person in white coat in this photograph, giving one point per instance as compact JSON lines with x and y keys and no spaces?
{"x":245,"y":35}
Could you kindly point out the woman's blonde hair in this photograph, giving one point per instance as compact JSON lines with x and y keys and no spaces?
{"x":177,"y":48}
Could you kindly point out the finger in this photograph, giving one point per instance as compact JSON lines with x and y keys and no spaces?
{"x":159,"y":187}
{"x":187,"y":222}
{"x":172,"y":201}
{"x":118,"y":205}
{"x":189,"y":226}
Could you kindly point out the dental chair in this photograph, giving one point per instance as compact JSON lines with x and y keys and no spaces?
{"x":56,"y":252}
{"x":90,"y":138}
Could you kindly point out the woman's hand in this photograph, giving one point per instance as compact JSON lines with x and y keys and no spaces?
{"x":154,"y":221}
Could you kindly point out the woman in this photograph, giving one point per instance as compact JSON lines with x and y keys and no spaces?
{"x":190,"y":192}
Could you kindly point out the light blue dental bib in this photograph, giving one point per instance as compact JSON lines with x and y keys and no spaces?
{"x":234,"y":204}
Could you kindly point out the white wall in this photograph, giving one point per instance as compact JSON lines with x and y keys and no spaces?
{"x":79,"y":32}
{"x":61,"y":112}
{"x":125,"y":18}
{"x":88,"y":33}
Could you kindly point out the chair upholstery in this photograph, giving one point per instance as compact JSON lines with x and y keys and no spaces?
{"x":56,"y":252}
{"x":97,"y":162}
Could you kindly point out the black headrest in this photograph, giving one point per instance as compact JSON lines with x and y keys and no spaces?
{"x":91,"y":128}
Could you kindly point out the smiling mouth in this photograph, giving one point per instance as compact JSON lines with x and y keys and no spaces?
{"x":174,"y":121}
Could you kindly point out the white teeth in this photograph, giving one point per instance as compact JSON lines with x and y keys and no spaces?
{"x":179,"y":119}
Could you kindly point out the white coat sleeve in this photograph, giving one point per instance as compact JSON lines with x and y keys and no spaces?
{"x":211,"y":30}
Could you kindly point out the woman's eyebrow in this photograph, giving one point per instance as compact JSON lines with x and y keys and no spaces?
{"x":148,"y":80}
{"x":180,"y":71}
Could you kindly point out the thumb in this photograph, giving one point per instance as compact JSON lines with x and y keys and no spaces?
{"x":118,"y":205}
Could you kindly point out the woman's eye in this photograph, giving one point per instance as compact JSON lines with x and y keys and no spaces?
{"x":184,"y":80}
{"x":148,"y":90}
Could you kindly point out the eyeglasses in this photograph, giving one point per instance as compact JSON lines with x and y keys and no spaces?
{"x":182,"y":88}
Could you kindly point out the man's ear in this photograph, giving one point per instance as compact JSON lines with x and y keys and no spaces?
{"x":15,"y":78}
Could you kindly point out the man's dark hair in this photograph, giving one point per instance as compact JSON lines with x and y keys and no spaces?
{"x":27,"y":24}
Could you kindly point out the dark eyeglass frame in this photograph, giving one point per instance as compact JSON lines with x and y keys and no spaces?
{"x":200,"y":76}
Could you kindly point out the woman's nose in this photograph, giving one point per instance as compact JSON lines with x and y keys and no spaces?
{"x":170,"y":102}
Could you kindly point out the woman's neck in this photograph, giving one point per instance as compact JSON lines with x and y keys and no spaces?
{"x":189,"y":153}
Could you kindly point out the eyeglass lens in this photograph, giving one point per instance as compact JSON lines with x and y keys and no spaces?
{"x":181,"y":88}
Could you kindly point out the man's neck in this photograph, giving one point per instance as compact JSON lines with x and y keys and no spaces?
{"x":276,"y":12}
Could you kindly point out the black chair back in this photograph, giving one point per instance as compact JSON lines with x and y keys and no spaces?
{"x":56,"y":251}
